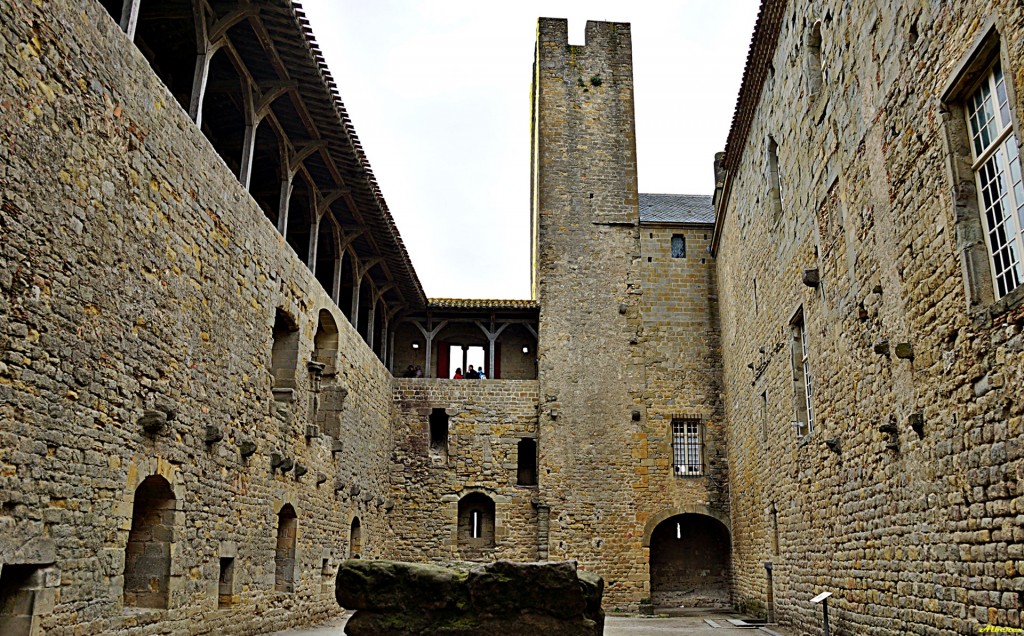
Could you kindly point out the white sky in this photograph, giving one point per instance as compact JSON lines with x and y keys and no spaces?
{"x":439,"y":93}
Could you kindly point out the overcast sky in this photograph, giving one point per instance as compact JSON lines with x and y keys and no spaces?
{"x":439,"y":93}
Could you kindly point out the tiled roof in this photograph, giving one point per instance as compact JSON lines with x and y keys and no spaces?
{"x":676,"y":208}
{"x":759,"y":57}
{"x":480,"y":303}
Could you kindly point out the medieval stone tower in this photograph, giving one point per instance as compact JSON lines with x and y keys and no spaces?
{"x":587,"y":279}
{"x":606,"y":420}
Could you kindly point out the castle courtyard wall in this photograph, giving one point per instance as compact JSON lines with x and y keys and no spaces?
{"x":139,"y":283}
{"x":486,"y":420}
{"x":914,"y":530}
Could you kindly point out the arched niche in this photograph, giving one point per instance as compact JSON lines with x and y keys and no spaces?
{"x":476,"y":524}
{"x":325,"y":342}
{"x":284,"y":553}
{"x":147,"y":561}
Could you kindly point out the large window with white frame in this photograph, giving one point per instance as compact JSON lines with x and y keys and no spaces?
{"x":998,"y":173}
{"x":687,"y":447}
{"x":802,"y":388}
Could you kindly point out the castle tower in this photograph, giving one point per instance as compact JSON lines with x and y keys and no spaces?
{"x":586,"y":257}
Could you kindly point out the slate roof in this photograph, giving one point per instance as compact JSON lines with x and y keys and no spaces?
{"x":693,"y":209}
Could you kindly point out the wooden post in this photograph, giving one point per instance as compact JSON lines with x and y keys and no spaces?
{"x":130,"y":17}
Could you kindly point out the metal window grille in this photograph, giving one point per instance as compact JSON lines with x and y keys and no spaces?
{"x":688,"y":448}
{"x":678,"y":246}
{"x":998,"y":173}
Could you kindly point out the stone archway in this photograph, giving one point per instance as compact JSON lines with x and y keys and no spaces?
{"x":690,"y":562}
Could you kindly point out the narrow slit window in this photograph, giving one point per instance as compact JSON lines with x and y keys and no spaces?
{"x":802,"y":387}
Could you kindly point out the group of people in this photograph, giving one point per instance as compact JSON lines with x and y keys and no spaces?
{"x":471,"y":374}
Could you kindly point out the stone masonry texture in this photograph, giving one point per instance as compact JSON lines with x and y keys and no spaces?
{"x":914,"y":533}
{"x":137,"y":276}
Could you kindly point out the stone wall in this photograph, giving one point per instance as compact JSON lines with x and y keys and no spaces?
{"x":914,"y":532}
{"x":486,"y":419}
{"x":138,"y":287}
{"x":681,"y":381}
{"x":682,"y":366}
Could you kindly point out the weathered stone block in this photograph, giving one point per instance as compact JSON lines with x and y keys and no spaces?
{"x":497,"y":598}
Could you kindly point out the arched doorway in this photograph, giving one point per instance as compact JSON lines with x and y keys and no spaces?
{"x":690,"y":562}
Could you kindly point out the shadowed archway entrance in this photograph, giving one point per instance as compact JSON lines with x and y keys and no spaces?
{"x":690,"y":562}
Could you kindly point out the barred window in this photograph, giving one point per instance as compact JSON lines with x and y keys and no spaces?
{"x":998,"y":173}
{"x":688,"y":448}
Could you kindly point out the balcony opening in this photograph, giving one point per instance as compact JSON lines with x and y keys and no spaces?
{"x":462,"y":357}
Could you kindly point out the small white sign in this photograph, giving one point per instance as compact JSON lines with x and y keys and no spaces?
{"x":821,"y":597}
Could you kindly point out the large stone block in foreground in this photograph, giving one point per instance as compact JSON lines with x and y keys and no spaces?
{"x":514,"y":599}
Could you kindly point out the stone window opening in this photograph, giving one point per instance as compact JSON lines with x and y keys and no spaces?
{"x":355,"y":539}
{"x":476,"y":522}
{"x":22,"y":602}
{"x":476,"y":530}
{"x":774,"y":513}
{"x":147,"y":562}
{"x":678,"y":246}
{"x":439,"y":432}
{"x":978,"y":116}
{"x":776,"y":193}
{"x":817,"y":75}
{"x":687,"y":447}
{"x":526,"y":462}
{"x":997,"y":172}
{"x":284,"y":553}
{"x":284,"y":356}
{"x":226,"y":582}
{"x":764,"y":416}
{"x":326,"y":577}
{"x":325,"y":343}
{"x":801,"y":367}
